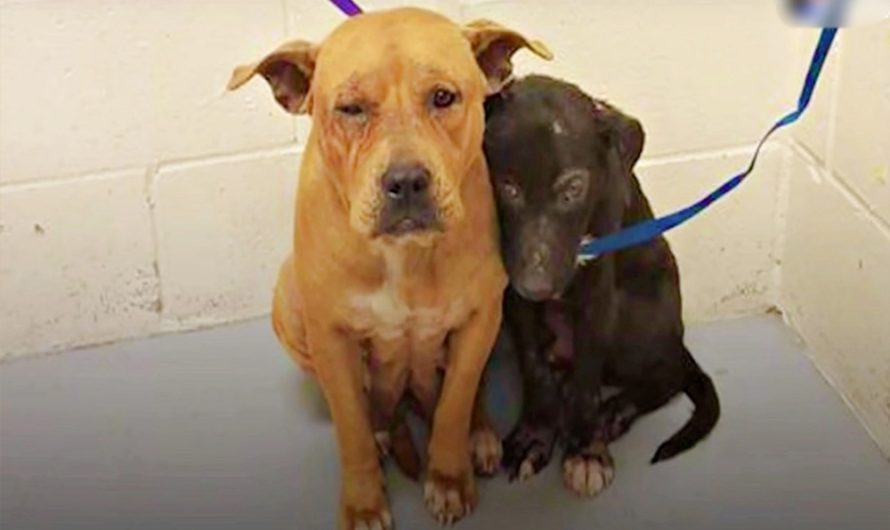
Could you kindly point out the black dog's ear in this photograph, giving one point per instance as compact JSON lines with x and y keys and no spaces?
{"x":632,"y":137}
{"x":625,"y":135}
{"x":627,"y":131}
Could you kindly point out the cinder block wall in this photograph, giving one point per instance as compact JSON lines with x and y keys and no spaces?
{"x":835,"y":286}
{"x":137,"y":197}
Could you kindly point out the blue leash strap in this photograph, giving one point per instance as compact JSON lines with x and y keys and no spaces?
{"x":648,"y":230}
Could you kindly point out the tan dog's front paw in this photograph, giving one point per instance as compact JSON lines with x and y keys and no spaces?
{"x":368,"y":521}
{"x":449,"y":499}
{"x":486,"y":451}
{"x":364,"y":505}
{"x":589,"y":472}
{"x":377,"y":518}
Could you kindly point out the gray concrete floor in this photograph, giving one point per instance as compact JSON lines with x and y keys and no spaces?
{"x":216,"y":429}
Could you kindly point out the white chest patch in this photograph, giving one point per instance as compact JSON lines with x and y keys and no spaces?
{"x":558,"y":128}
{"x":384,"y":312}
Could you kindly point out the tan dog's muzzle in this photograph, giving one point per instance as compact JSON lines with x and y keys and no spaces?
{"x":408,"y":205}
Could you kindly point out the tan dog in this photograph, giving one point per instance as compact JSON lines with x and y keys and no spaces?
{"x":396,"y":274}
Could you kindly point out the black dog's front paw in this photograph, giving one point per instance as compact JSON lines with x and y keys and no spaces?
{"x":588,"y":470}
{"x":527,"y":450}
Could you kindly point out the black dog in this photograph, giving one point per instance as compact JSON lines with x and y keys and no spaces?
{"x":562,"y":167}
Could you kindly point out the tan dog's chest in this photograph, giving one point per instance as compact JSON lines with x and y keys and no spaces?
{"x":407,"y":318}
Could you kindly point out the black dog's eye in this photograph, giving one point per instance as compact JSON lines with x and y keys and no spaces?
{"x":351,"y":109}
{"x":509,"y":190}
{"x":572,"y":190}
{"x":443,"y":98}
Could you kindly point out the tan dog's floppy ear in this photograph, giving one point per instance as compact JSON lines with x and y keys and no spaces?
{"x":288,"y":70}
{"x":494,"y":46}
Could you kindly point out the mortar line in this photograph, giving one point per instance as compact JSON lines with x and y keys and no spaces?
{"x":233,"y":156}
{"x":780,"y":220}
{"x":151,"y":173}
{"x":849,"y":193}
{"x":186,"y":162}
{"x":45,"y":182}
{"x":834,"y":104}
{"x":707,"y":154}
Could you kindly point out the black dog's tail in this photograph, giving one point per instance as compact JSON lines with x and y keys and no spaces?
{"x":701,"y":391}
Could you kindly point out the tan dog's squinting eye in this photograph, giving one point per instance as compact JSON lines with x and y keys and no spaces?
{"x":356,"y":112}
{"x":351,"y":110}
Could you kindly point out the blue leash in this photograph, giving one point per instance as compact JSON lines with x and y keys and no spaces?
{"x":649,"y":230}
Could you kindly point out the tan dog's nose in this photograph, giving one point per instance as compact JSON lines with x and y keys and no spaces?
{"x":408,"y":205}
{"x":406,"y":182}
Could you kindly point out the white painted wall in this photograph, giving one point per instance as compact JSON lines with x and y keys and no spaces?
{"x":835,"y":285}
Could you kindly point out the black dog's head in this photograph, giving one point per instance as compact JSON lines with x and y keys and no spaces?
{"x":561,"y":165}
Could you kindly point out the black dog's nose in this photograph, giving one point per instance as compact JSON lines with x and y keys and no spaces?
{"x":404,"y":182}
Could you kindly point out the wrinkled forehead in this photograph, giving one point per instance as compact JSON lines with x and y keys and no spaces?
{"x":395,"y":44}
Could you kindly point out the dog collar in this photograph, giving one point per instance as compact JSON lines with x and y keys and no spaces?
{"x":583,"y":258}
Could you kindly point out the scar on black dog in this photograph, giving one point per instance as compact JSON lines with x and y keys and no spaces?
{"x":562,"y":167}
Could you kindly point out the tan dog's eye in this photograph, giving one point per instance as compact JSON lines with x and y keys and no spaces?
{"x":443,"y":98}
{"x":351,"y":109}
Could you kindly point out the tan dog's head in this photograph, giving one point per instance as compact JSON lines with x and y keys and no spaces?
{"x":396,"y":100}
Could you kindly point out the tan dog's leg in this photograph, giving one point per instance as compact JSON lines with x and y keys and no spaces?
{"x":287,"y":316}
{"x":340,"y":372}
{"x":388,"y":382}
{"x":337,"y":364}
{"x":450,"y":489}
{"x":426,"y":384}
{"x":485,"y":444}
{"x":388,"y":379}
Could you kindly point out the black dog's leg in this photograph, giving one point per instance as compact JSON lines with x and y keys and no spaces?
{"x":529,"y":447}
{"x":620,"y":411}
{"x":587,"y":465}
{"x":652,"y":387}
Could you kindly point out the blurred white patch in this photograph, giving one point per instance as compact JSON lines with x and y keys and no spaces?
{"x":835,"y":13}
